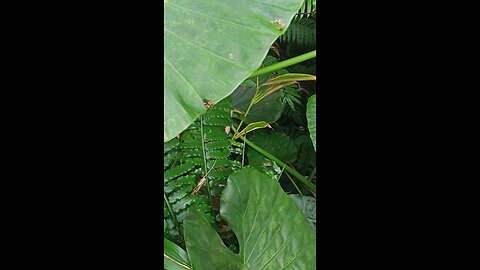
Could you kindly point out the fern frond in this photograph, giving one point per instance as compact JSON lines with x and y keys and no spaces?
{"x":308,"y":9}
{"x":204,"y":142}
{"x":302,"y":32}
{"x":290,"y":96}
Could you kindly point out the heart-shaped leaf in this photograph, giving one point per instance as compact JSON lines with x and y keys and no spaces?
{"x":210,"y":47}
{"x":272,"y":231}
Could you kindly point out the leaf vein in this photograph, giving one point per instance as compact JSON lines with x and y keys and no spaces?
{"x":204,"y":49}
{"x":221,"y":20}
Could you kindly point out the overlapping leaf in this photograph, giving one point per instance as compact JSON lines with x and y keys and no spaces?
{"x":308,"y":205}
{"x":278,"y":144}
{"x":210,"y":47}
{"x":174,"y":257}
{"x":271,"y":230}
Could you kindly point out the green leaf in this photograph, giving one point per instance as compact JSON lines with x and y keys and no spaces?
{"x":268,"y":109}
{"x":210,"y":48}
{"x":307,"y":158}
{"x":269,"y":91}
{"x":174,"y":257}
{"x":251,"y":127}
{"x":308,"y":8}
{"x":205,"y":247}
{"x":248,"y":83}
{"x":312,"y":119}
{"x":277,"y":144}
{"x":290,"y":77}
{"x":308,"y":206}
{"x":282,"y":81}
{"x":272,"y":231}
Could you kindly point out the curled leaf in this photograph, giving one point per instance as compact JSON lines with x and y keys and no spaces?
{"x":251,"y":127}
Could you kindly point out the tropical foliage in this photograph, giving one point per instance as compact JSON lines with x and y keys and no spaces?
{"x":240,"y":134}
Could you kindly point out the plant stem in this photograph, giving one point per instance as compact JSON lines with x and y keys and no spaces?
{"x":293,"y":182}
{"x":175,"y":261}
{"x":289,"y":169}
{"x":248,"y":110}
{"x":205,"y":161}
{"x":312,"y":174}
{"x":280,"y":176}
{"x":284,"y":64}
{"x":175,"y":222}
{"x":243,"y":154}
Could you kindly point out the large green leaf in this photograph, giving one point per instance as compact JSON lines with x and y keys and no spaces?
{"x":312,"y":119}
{"x":271,"y":230}
{"x":210,"y":47}
{"x":308,"y":205}
{"x":268,"y":109}
{"x":278,"y":144}
{"x":307,"y":158}
{"x":205,"y":247}
{"x":174,"y":257}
